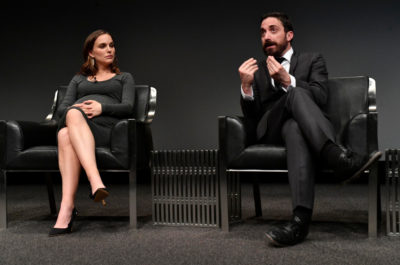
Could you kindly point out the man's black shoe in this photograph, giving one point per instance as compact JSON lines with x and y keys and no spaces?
{"x":291,"y":233}
{"x":351,"y":165}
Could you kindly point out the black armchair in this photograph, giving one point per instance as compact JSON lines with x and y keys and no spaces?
{"x":31,"y":147}
{"x":352,"y":110}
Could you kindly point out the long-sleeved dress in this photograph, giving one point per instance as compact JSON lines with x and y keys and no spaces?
{"x":116,"y":96}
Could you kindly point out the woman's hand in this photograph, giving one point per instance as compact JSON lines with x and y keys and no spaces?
{"x":91,"y":108}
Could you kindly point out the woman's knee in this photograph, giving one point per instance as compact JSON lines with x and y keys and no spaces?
{"x":63,"y":137}
{"x":74,"y":115}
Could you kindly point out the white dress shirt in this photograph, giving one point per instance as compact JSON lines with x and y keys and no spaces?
{"x":286,"y":65}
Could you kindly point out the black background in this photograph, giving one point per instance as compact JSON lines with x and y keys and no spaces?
{"x":190,"y":51}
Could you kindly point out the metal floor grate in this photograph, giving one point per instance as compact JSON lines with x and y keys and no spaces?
{"x":185,"y":188}
{"x":392,"y":164}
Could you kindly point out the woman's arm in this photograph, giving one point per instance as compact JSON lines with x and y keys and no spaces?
{"x":70,"y":96}
{"x":125,"y":108}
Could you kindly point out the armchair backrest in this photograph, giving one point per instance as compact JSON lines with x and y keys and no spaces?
{"x":144,"y":108}
{"x":145,"y":103}
{"x":348,"y":109}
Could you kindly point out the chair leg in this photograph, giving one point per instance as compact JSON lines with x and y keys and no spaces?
{"x":132,"y":200}
{"x":373,"y":187}
{"x":256,"y":194}
{"x":224,"y":198}
{"x":50,"y":192}
{"x":379,"y":207}
{"x":3,"y":200}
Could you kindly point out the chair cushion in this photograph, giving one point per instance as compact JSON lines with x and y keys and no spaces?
{"x":35,"y":158}
{"x":107,"y":160}
{"x":45,"y":158}
{"x":260,"y":156}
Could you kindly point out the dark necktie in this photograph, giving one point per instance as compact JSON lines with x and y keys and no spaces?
{"x":279,"y":59}
{"x":263,"y":122}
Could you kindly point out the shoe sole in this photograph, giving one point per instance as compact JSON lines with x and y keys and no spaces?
{"x":60,"y":234}
{"x":273,"y":242}
{"x":74,"y":215}
{"x":371,"y":160}
{"x":101,"y":194}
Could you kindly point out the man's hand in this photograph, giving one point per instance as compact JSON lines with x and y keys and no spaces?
{"x":277,"y":72}
{"x":246,"y":73}
{"x":91,"y":108}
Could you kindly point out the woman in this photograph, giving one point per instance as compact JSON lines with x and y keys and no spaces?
{"x":96,"y":98}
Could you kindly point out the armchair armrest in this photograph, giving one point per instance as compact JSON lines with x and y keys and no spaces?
{"x":17,"y":136}
{"x":53,"y":109}
{"x":372,"y":131}
{"x":356,"y":134}
{"x":11,"y":141}
{"x":151,"y":111}
{"x":232,"y":137}
{"x":123,"y":140}
{"x":145,"y":103}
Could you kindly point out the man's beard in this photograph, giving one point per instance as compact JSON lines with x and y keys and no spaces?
{"x":280,"y":48}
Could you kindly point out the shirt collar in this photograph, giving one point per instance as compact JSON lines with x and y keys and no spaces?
{"x":288,"y":55}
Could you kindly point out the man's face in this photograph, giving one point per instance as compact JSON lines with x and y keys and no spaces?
{"x":275,"y":41}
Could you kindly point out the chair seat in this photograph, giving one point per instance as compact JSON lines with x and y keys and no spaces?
{"x":260,"y":156}
{"x":267,"y":157}
{"x":45,"y":158}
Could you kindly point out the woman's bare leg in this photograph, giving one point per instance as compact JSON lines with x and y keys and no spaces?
{"x":70,"y":170}
{"x":82,"y":140}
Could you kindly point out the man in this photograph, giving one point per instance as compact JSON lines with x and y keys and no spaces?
{"x":282,"y":98}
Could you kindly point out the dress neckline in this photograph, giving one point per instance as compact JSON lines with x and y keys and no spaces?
{"x":96,"y":81}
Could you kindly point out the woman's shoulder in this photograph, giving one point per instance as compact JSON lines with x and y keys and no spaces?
{"x":125,"y":76}
{"x":78,"y":78}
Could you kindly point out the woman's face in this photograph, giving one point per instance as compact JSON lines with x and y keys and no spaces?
{"x":103,"y":50}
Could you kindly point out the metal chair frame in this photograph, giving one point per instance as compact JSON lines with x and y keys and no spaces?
{"x":132,"y":126}
{"x":374,"y":201}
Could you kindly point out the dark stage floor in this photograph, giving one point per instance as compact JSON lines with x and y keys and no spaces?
{"x":102,"y":236}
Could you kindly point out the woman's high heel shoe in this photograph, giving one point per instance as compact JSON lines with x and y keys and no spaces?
{"x":99,"y":195}
{"x":63,"y":231}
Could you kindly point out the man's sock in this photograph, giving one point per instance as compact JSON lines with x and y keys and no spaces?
{"x":303,"y":213}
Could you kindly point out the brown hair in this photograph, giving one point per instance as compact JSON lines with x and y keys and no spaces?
{"x":282,"y":17}
{"x":87,"y":68}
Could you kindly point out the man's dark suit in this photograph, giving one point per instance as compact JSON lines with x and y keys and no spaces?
{"x":294,"y":118}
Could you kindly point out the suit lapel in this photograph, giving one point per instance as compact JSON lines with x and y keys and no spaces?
{"x":293,"y":63}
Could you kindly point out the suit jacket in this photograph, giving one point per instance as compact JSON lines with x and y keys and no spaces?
{"x":310,"y":72}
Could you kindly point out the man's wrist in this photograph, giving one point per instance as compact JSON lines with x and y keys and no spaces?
{"x":247,"y":95}
{"x":246,"y":88}
{"x":287,"y":81}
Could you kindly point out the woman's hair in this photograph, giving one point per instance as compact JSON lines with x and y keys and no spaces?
{"x":89,"y":67}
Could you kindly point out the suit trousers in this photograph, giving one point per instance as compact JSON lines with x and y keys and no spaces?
{"x":298,"y":122}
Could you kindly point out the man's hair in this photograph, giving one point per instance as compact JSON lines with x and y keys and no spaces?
{"x":287,"y":24}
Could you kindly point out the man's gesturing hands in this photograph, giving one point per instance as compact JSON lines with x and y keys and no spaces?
{"x":275,"y":69}
{"x":246,"y":73}
{"x":277,"y":72}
